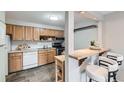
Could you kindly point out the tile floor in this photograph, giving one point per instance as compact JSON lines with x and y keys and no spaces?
{"x":44,"y":73}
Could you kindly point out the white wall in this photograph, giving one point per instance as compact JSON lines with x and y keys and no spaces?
{"x":85,"y":23}
{"x":2,"y":16}
{"x":113,"y":35}
{"x":32,"y":44}
{"x":19,"y":22}
{"x":82,"y":38}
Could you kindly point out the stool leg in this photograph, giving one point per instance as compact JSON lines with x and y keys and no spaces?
{"x":114,"y":76}
{"x":119,"y":62}
{"x":108,"y":76}
{"x":90,"y":80}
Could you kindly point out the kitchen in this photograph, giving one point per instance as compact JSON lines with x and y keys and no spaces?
{"x":35,"y":52}
{"x":32,"y":46}
{"x":61,"y":46}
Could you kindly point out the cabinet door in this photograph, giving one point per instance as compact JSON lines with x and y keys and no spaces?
{"x":47,"y":32}
{"x":52,"y":33}
{"x":36,"y":33}
{"x":51,"y":55}
{"x":56,"y":33}
{"x":15,"y":62}
{"x":42,"y":58}
{"x":61,"y":33}
{"x":29,"y":33}
{"x":18,"y":32}
{"x":43,"y":32}
{"x":9,"y":29}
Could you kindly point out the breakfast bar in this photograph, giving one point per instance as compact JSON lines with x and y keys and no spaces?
{"x":77,"y":58}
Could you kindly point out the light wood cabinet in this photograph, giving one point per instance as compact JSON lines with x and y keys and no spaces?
{"x":36,"y":34}
{"x":62,"y":33}
{"x":43,"y":32}
{"x":51,"y":55}
{"x":15,"y":62}
{"x":31,"y":33}
{"x":46,"y":56}
{"x":28,"y":33}
{"x":52,"y":33}
{"x":59,"y":34}
{"x":18,"y":32}
{"x":42,"y":57}
{"x":9,"y":29}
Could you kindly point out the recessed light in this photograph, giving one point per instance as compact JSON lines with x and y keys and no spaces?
{"x":54,"y":18}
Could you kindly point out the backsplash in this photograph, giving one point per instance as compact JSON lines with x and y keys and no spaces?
{"x":32,"y":44}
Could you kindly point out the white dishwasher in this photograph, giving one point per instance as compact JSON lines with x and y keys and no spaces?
{"x":30,"y":59}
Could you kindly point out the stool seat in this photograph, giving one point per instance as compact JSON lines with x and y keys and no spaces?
{"x":97,"y":73}
{"x":110,"y":64}
{"x":115,"y":56}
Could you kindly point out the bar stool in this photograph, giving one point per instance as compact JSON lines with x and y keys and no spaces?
{"x":117,"y":57}
{"x":97,"y":73}
{"x":109,"y":64}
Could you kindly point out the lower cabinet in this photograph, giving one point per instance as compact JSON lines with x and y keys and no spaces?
{"x":15,"y":62}
{"x":46,"y":56}
{"x":16,"y":59}
{"x":42,"y":57}
{"x":51,"y":55}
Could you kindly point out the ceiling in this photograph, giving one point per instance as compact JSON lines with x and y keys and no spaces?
{"x":104,"y":12}
{"x":42,"y":17}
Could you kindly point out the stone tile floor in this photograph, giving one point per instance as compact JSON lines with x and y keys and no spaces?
{"x":44,"y":73}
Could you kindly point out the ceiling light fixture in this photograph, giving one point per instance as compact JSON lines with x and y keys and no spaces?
{"x":54,"y":18}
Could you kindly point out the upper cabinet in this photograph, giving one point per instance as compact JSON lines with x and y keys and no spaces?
{"x":18,"y":32}
{"x":36,"y":34}
{"x":59,"y":33}
{"x":43,"y":32}
{"x":9,"y":29}
{"x":31,"y":33}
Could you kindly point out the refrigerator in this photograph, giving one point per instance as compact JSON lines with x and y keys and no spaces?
{"x":3,"y":48}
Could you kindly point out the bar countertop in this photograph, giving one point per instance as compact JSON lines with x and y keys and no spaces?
{"x":83,"y":53}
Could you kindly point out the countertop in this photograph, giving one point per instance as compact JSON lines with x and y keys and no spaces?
{"x":30,"y":50}
{"x":83,"y":53}
{"x":60,"y":58}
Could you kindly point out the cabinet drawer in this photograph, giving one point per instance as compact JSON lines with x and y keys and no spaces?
{"x":15,"y":54}
{"x":42,"y":51}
